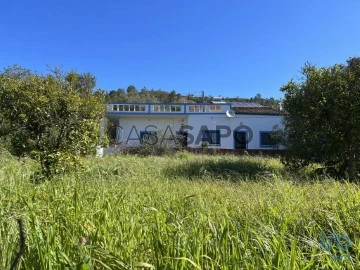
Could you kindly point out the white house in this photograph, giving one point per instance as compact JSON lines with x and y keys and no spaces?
{"x":237,"y":125}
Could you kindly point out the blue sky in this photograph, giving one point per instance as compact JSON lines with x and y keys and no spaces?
{"x":228,"y":48}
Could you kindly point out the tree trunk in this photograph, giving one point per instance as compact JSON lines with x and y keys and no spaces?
{"x":351,"y":166}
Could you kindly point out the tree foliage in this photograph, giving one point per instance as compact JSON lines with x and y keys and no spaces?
{"x":131,"y":94}
{"x":150,"y":95}
{"x":54,"y":118}
{"x":323,"y":117}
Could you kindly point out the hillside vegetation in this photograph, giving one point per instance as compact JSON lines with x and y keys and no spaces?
{"x":181,"y":212}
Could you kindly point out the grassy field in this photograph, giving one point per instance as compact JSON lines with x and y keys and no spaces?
{"x":181,"y":212}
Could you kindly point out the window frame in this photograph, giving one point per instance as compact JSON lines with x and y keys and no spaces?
{"x":204,"y":138}
{"x":269,"y":139}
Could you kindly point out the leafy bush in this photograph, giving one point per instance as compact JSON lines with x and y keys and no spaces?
{"x":53,"y":118}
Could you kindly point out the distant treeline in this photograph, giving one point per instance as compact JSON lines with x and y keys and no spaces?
{"x":131,"y":94}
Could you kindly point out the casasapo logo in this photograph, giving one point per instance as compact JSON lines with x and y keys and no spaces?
{"x":337,"y":245}
{"x":151,"y":135}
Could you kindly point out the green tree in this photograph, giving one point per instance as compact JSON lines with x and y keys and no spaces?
{"x":84,"y":83}
{"x":146,"y":95}
{"x":53,"y":118}
{"x":172,"y":96}
{"x":131,"y":90}
{"x":323,"y":117}
{"x":117,"y":96}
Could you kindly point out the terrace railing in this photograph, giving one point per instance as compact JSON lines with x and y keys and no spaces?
{"x":166,"y":108}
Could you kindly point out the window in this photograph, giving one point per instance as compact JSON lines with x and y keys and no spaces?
{"x":196,"y":108}
{"x":129,"y":108}
{"x":267,"y":139}
{"x":204,"y":108}
{"x":215,"y":108}
{"x":212,"y":137}
{"x":139,"y":108}
{"x":148,"y":137}
{"x":166,"y":108}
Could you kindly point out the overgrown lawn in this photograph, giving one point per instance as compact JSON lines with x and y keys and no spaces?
{"x":181,"y":212}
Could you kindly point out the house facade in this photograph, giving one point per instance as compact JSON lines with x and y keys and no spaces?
{"x":215,"y":125}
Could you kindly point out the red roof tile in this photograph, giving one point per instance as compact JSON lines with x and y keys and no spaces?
{"x":256,"y":110}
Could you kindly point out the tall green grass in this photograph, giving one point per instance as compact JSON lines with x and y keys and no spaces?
{"x":180,"y":212}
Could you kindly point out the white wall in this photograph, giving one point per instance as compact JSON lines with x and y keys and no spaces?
{"x":249,"y":123}
{"x":130,"y":127}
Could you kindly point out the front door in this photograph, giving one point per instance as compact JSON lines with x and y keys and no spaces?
{"x":240,"y":141}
